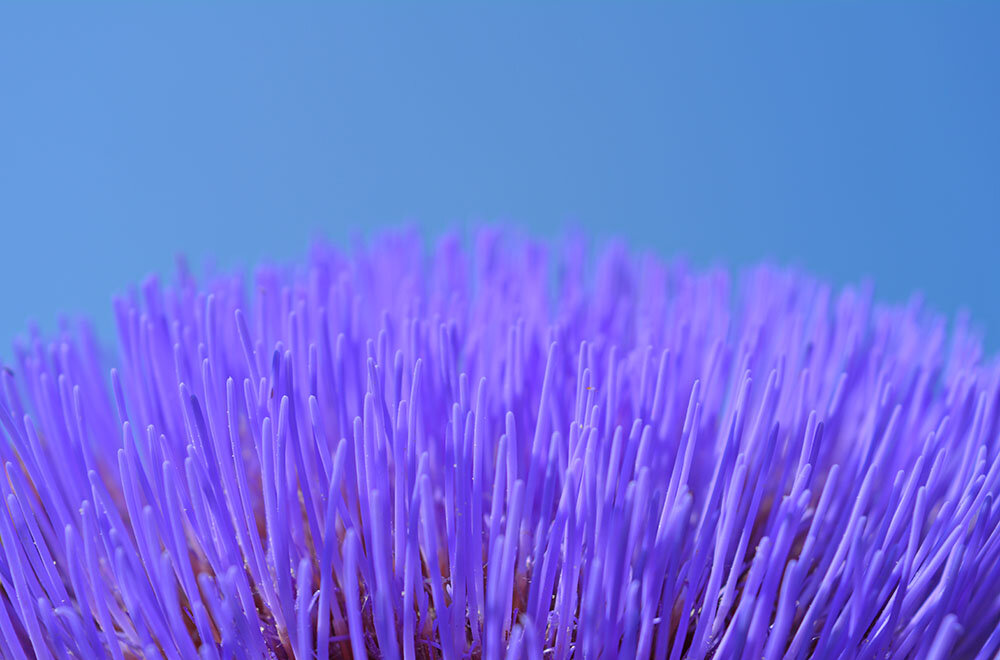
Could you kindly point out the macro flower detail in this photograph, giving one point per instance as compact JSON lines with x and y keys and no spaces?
{"x":505,"y":450}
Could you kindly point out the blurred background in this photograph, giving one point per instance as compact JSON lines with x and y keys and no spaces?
{"x":857,"y":140}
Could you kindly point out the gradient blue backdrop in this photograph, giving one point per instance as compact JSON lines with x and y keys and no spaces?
{"x":855,"y":139}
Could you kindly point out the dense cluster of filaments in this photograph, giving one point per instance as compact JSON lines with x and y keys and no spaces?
{"x":511,"y":450}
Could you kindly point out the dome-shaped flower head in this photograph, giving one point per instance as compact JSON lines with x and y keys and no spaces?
{"x":511,"y":450}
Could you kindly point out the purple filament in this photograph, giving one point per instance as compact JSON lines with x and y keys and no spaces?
{"x":503,"y":451}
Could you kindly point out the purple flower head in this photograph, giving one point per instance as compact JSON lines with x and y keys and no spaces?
{"x":504,"y":451}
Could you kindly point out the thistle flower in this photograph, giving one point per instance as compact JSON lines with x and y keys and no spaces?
{"x":493,"y":453}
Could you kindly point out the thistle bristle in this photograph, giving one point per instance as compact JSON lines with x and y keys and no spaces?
{"x":491,"y":453}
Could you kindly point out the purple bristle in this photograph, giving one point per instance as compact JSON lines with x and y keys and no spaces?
{"x":491,"y":453}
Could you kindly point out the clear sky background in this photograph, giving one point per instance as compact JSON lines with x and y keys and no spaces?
{"x":855,"y":139}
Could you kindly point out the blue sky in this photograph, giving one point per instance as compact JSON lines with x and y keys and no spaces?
{"x":853,"y":139}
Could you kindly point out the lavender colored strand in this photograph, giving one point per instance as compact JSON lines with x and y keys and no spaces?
{"x":494,"y":453}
